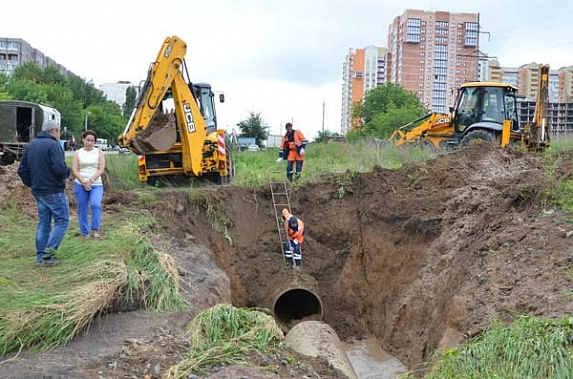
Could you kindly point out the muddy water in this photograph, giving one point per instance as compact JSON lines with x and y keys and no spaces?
{"x":369,"y":361}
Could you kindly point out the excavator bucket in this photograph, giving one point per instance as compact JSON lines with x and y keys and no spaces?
{"x":161,"y":134}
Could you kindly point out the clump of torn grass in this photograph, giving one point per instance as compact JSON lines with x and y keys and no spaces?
{"x":224,"y":335}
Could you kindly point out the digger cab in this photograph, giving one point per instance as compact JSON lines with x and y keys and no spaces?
{"x":205,"y":98}
{"x":485,"y":105}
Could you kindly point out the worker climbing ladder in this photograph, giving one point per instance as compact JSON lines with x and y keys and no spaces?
{"x":279,"y":193}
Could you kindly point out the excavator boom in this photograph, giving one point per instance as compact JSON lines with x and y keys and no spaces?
{"x":175,"y":142}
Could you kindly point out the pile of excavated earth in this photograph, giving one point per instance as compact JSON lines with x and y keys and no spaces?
{"x":419,"y":258}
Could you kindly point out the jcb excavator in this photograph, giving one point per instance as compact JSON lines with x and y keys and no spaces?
{"x":184,"y":144}
{"x":484,"y":111}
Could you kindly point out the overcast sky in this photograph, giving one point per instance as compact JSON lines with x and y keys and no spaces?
{"x":280,"y":58}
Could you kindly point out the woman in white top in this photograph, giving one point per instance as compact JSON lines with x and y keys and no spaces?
{"x":88,"y":164}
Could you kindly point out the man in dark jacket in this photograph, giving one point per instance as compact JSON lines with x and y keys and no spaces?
{"x":43,"y":169}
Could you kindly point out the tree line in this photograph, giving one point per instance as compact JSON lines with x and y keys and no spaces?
{"x":72,"y":96}
{"x":383,"y":109}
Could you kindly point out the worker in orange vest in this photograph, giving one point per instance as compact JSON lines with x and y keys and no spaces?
{"x":295,"y":237}
{"x":292,"y":148}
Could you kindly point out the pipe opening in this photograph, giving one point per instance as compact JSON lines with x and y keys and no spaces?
{"x":295,"y":305}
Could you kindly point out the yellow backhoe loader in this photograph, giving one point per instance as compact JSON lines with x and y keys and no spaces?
{"x":173,"y":127}
{"x":483,"y":111}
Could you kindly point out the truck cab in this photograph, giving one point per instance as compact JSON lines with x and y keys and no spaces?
{"x":485,"y":105}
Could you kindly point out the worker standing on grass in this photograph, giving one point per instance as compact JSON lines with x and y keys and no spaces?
{"x":292,"y":149}
{"x":295,"y":237}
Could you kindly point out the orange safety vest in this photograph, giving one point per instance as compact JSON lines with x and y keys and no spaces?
{"x":297,"y":235}
{"x":293,"y":235}
{"x":292,"y":146}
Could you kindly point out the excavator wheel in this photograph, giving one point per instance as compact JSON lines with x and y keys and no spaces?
{"x":230,"y":164}
{"x":230,"y":168}
{"x":426,"y":145}
{"x":477,"y":137}
{"x":7,"y":159}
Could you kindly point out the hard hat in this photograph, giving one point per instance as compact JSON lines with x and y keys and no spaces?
{"x":293,"y":222}
{"x":286,"y":213}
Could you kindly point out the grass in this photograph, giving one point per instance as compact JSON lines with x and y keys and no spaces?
{"x":124,"y":171}
{"x":44,"y":307}
{"x":225,"y":335}
{"x":257,"y":168}
{"x":528,"y":348}
{"x":561,"y":192}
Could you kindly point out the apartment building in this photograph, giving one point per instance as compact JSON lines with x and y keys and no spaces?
{"x":526,"y":79}
{"x":117,"y":91}
{"x":433,"y":53}
{"x":363,"y":70}
{"x":565,"y":84}
{"x":15,"y":51}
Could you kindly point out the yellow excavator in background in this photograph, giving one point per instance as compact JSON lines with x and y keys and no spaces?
{"x":483,"y":111}
{"x":173,"y":127}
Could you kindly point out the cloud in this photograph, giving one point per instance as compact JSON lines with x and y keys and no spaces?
{"x":282,"y":58}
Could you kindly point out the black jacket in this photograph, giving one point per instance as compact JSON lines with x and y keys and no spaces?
{"x":43,"y":167}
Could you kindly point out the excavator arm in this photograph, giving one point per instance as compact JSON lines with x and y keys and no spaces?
{"x":150,"y":129}
{"x":537,"y":132}
{"x":431,"y":128}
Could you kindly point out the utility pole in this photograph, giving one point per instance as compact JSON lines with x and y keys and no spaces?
{"x":323,"y":103}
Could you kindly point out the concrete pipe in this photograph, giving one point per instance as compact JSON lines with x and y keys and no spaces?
{"x":296,"y":300}
{"x":317,"y":339}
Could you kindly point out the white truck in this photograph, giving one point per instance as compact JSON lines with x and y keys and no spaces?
{"x":20,"y":122}
{"x":101,"y":143}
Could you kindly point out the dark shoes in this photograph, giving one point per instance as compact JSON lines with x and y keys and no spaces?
{"x":51,"y":261}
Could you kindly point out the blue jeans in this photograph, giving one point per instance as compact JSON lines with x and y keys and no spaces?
{"x":86,"y":200}
{"x":54,"y":207}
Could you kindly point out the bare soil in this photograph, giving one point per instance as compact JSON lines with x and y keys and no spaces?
{"x":422,"y":258}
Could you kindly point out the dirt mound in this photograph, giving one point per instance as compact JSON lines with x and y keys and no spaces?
{"x":422,"y":257}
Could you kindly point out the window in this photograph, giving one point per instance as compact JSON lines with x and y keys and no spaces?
{"x":441,"y":48}
{"x":413,"y":26}
{"x":440,"y":71}
{"x":443,"y":56}
{"x":472,"y":29}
